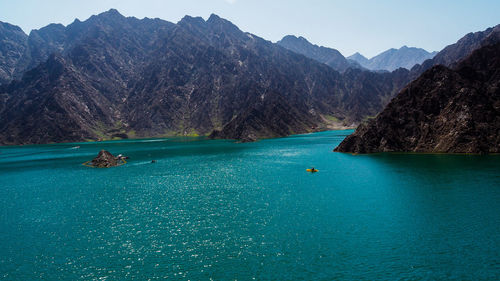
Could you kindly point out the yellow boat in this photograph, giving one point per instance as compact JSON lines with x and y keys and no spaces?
{"x":311,"y":170}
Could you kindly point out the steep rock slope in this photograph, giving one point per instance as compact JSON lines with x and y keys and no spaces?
{"x":211,"y":73}
{"x":53,"y":102}
{"x":129,"y":36}
{"x":96,"y":61}
{"x":444,"y":110}
{"x":13,"y":44}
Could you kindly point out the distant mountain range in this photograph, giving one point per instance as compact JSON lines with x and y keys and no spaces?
{"x":117,"y":77}
{"x":328,"y":56}
{"x":392,"y":59}
{"x":454,"y":106}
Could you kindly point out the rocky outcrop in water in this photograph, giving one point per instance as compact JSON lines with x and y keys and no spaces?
{"x":104,"y":160}
{"x":444,"y":110}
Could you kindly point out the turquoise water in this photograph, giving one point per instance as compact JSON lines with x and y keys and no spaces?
{"x":225,"y":211}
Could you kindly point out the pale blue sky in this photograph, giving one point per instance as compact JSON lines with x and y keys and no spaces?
{"x":369,"y":27}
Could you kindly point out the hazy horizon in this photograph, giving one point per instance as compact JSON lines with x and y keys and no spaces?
{"x":357,"y":26}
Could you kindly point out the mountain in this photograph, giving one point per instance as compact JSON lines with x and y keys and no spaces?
{"x":392,"y":59}
{"x":56,"y":38}
{"x":419,"y":60}
{"x":358,"y":58}
{"x":117,"y":77}
{"x":13,"y":44}
{"x":239,"y":85}
{"x":53,"y":102}
{"x":76,"y":94}
{"x":454,"y":53}
{"x":449,"y":57}
{"x":445,"y":110}
{"x":328,"y":56}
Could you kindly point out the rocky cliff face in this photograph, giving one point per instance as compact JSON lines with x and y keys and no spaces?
{"x":444,"y":110}
{"x":13,"y":44}
{"x":53,"y":102}
{"x":77,"y":93}
{"x":130,"y":38}
{"x":112,"y":76}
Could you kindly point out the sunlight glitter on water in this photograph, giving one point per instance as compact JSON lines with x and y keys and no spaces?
{"x":221,"y":210}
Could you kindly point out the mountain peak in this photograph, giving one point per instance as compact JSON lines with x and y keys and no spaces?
{"x":110,"y":14}
{"x":358,"y":58}
{"x":328,"y":56}
{"x":392,"y":59}
{"x":216,"y":21}
{"x":191,"y":20}
{"x":299,"y":42}
{"x":294,"y":38}
{"x":53,"y":26}
{"x":357,"y":54}
{"x":214,"y":18}
{"x":8,"y":26}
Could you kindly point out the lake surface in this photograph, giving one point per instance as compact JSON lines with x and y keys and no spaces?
{"x":214,"y":209}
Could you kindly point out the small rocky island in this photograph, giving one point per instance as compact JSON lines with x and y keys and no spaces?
{"x":445,"y":110}
{"x":105,"y":160}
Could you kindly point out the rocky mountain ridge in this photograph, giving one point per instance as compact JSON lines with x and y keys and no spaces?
{"x":13,"y":44}
{"x":445,"y":110}
{"x":452,"y":54}
{"x":328,"y":56}
{"x":117,"y":77}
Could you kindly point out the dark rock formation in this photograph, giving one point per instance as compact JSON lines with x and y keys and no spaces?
{"x":328,"y":56}
{"x":104,"y":160}
{"x":444,"y":110}
{"x":392,"y":59}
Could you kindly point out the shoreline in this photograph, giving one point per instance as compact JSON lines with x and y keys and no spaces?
{"x":155,"y":139}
